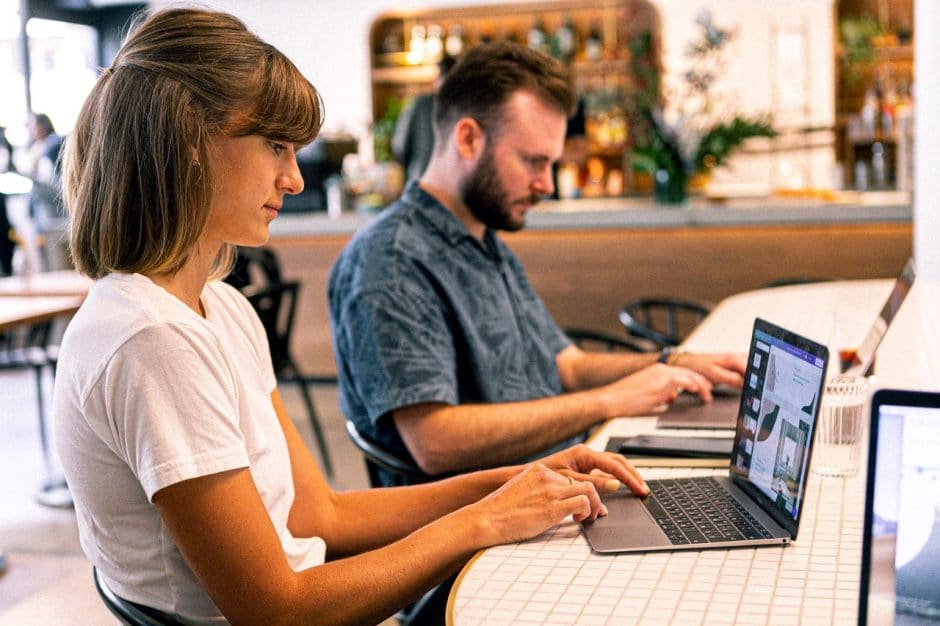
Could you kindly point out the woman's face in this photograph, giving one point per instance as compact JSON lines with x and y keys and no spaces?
{"x":252,"y":174}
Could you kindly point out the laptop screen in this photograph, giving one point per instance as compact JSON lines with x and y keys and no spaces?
{"x":858,"y":361}
{"x":901,"y":543}
{"x":782,"y":388}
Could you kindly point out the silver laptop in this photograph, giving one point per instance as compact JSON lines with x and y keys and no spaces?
{"x":688,"y":411}
{"x":760,"y":501}
{"x":901,"y":540}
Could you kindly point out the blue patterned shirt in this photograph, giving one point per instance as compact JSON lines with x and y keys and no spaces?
{"x":421,"y":311}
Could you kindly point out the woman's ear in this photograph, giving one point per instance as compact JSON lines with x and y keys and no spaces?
{"x":469,"y":138}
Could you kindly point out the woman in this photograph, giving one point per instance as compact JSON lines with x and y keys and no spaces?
{"x":194,"y":492}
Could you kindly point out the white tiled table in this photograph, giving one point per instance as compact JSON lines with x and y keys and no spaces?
{"x":556,"y":579}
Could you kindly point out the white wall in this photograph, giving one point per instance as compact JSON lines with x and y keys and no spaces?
{"x":328,"y":40}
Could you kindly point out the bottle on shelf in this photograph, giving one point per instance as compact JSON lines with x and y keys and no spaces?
{"x":868,"y":115}
{"x":486,"y":33}
{"x":905,"y":140}
{"x":454,"y":44}
{"x":434,"y":44}
{"x":394,"y":40}
{"x":889,"y":101}
{"x":565,"y":40}
{"x":594,"y":44}
{"x":416,"y":45}
{"x":537,"y":37}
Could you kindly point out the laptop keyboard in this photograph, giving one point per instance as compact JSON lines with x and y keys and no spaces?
{"x":699,"y":510}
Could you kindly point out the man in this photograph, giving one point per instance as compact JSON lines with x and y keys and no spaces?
{"x":445,"y":353}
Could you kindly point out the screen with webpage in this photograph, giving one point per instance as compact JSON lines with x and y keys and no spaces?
{"x":772,"y":442}
{"x":905,"y":533}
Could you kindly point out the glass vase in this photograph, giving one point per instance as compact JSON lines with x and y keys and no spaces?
{"x":670,"y":187}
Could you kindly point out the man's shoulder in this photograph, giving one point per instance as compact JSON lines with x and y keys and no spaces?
{"x":399,"y":233}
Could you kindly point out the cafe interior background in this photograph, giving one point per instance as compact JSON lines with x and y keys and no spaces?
{"x":831,"y":192}
{"x":828,"y":188}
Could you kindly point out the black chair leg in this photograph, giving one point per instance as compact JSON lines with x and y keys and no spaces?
{"x":317,"y":428}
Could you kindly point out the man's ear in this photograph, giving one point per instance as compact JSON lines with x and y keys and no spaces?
{"x":469,"y":138}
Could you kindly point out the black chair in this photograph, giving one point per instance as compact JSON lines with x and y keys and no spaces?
{"x":254,"y":267}
{"x":130,"y":613}
{"x":30,"y":348}
{"x":795,"y":280}
{"x":275,"y":305}
{"x":404,"y":472}
{"x":599,"y":341}
{"x":663,"y":321}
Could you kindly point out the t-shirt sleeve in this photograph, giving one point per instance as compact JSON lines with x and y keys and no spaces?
{"x":171,"y":402}
{"x":397,"y":349}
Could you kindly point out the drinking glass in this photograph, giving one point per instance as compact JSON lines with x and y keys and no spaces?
{"x":840,"y":433}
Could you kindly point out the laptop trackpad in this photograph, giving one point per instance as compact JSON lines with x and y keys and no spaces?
{"x":628,"y":524}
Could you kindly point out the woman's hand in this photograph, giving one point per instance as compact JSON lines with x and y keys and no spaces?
{"x":607,"y":471}
{"x":543,"y":494}
{"x":531,"y":502}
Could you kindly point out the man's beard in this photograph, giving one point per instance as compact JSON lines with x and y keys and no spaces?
{"x":483,"y":193}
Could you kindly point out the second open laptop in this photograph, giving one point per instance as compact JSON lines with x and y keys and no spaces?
{"x":688,"y":411}
{"x":760,"y":501}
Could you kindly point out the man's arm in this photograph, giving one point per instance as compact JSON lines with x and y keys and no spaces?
{"x":580,"y":370}
{"x":444,"y":438}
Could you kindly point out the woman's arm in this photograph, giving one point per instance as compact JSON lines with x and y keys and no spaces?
{"x":382,"y":515}
{"x":226,"y":536}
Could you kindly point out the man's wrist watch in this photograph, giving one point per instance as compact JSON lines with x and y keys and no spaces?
{"x":665,"y":355}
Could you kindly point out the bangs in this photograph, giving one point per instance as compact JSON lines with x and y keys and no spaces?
{"x":285,"y":105}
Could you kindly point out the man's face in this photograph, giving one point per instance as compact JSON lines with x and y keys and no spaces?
{"x":515,"y":169}
{"x":486,"y":197}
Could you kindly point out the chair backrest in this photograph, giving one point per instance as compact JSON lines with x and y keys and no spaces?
{"x":663,"y":321}
{"x":130,"y":613}
{"x":25,"y":347}
{"x":796,"y":280}
{"x":254,"y":267}
{"x":275,"y":305}
{"x":599,"y":341}
{"x":399,"y":471}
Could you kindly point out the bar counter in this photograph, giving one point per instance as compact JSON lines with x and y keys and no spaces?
{"x":586,"y":258}
{"x":601,"y":213}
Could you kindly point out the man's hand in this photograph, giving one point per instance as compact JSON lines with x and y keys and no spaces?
{"x":651,"y":390}
{"x":724,"y":369}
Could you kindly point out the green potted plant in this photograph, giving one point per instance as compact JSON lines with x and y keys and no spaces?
{"x":693,"y":137}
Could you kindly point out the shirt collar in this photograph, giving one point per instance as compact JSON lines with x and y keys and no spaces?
{"x":445,"y":222}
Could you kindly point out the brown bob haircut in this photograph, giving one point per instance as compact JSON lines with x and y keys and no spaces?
{"x":138,"y":165}
{"x":488,"y":74}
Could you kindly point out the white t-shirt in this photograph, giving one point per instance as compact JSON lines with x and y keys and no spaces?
{"x":149,"y":394}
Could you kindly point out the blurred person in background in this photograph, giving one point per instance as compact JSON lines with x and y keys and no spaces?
{"x":413,"y":140}
{"x":42,"y":167}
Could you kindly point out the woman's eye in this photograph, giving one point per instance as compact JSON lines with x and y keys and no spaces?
{"x":278,"y":148}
